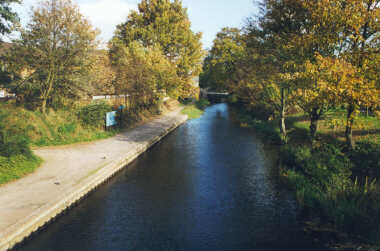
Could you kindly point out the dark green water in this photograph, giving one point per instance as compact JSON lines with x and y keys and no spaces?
{"x":207,"y":186}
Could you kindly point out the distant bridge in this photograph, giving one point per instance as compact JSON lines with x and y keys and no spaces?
{"x":218,"y":93}
{"x":205,"y":93}
{"x":214,"y":96}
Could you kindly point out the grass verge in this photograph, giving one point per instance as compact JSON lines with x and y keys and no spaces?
{"x":192,"y":111}
{"x":195,"y":110}
{"x":15,"y":167}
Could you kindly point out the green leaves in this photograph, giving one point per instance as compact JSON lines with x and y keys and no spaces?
{"x":54,"y":52}
{"x":163,"y":25}
{"x":221,"y":64}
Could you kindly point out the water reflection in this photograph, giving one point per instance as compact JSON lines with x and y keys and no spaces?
{"x":207,"y":186}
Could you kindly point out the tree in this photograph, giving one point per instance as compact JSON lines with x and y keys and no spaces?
{"x":223,"y":59}
{"x":270,"y":38}
{"x":7,"y":16}
{"x":102,"y":76}
{"x":165,"y":25}
{"x":54,"y":52}
{"x":353,"y":26}
{"x":143,"y":72}
{"x":312,"y":93}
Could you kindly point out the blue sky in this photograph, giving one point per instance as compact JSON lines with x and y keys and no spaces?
{"x":207,"y":16}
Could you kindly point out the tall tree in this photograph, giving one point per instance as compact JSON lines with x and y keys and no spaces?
{"x":270,"y":39}
{"x":54,"y":52}
{"x":355,"y":28}
{"x":223,"y":59}
{"x":143,"y":72}
{"x":164,"y":24}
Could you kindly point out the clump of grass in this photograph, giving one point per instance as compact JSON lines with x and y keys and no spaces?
{"x":16,"y":158}
{"x":17,"y":166}
{"x":192,"y":111}
{"x":194,"y":108}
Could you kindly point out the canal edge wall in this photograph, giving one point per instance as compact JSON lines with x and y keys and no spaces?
{"x":25,"y":227}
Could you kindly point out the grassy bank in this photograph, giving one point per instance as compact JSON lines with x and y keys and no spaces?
{"x":22,"y":129}
{"x":58,"y":127}
{"x":17,"y":166}
{"x":196,"y":109}
{"x":337,"y":188}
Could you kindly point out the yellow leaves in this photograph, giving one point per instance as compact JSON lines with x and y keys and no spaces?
{"x":335,"y":124}
{"x":333,"y":81}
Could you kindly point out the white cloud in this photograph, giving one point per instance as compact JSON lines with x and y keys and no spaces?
{"x":106,"y":14}
{"x":103,"y":14}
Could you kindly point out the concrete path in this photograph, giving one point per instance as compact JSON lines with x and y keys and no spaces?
{"x":69,"y":173}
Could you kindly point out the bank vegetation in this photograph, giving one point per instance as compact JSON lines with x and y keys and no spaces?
{"x":306,"y":74}
{"x":56,"y":66}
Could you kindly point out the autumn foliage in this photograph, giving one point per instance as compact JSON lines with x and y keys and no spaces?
{"x":309,"y":55}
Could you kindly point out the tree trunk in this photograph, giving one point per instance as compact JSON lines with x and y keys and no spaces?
{"x":282,"y":117}
{"x":43,"y":105}
{"x":349,"y":125}
{"x":314,"y":118}
{"x":46,"y":93}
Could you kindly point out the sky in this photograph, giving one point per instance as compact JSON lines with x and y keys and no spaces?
{"x":206,"y":16}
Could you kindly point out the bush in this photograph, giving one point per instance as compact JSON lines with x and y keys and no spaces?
{"x":321,"y":178}
{"x":129,"y":117}
{"x":202,"y":103}
{"x":325,"y":166}
{"x":93,"y":115}
{"x":261,"y":112}
{"x":186,"y":101}
{"x":14,"y":138}
{"x":366,"y":159}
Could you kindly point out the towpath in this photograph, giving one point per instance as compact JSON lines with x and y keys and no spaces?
{"x":69,"y":173}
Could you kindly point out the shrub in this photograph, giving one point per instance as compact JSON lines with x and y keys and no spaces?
{"x":325,"y":166}
{"x":366,"y":159}
{"x":186,"y":101}
{"x":14,"y":138}
{"x":93,"y":115}
{"x":321,"y":178}
{"x":261,"y":111}
{"x":202,"y":103}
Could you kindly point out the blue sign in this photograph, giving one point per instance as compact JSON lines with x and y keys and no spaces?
{"x":111,"y":118}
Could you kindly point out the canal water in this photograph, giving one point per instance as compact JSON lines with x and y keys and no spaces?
{"x":207,"y":186}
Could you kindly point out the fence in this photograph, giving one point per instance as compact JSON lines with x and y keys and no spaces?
{"x":128,"y":100}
